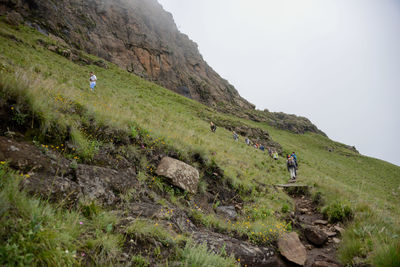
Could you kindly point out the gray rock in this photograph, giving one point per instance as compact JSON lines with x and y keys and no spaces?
{"x":324,"y":264}
{"x":181,"y":174}
{"x":330,"y":234}
{"x":14,"y":149}
{"x":101,"y":183}
{"x":339,"y":229}
{"x":321,"y":222}
{"x":336,"y":240}
{"x":227,"y":211}
{"x":315,"y":235}
{"x":292,"y":249}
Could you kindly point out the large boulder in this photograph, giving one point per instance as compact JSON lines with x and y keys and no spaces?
{"x":292,"y":249}
{"x":181,"y":174}
{"x":315,"y":235}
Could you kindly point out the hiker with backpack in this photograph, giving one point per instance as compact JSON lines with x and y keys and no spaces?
{"x":291,"y":166}
{"x":213,"y":127}
{"x":295,"y":159}
{"x":235,"y":136}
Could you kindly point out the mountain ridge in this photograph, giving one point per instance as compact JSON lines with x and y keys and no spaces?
{"x":91,"y":157}
{"x":142,"y":38}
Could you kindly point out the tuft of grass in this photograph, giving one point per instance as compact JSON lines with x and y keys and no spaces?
{"x":199,"y":256}
{"x":37,"y":233}
{"x":144,"y":229}
{"x":139,"y":261}
{"x":32,"y":232}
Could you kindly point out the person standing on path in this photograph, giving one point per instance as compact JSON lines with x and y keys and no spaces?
{"x":92,"y":80}
{"x":291,"y":166}
{"x":213,"y":127}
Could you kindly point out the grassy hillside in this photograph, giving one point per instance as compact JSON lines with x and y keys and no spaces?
{"x":35,"y":81}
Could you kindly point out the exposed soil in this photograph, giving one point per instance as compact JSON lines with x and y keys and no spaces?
{"x":307,"y":216}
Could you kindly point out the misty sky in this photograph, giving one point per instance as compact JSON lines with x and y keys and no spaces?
{"x":336,"y":62}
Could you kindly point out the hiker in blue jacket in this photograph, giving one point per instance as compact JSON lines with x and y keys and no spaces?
{"x":295,"y":159}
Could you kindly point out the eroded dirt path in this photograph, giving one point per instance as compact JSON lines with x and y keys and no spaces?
{"x":320,"y":238}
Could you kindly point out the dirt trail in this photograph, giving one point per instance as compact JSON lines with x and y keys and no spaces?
{"x":320,"y":238}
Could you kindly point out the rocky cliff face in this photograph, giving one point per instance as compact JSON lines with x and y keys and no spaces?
{"x":138,"y":35}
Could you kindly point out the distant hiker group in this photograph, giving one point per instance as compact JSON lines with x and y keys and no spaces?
{"x":291,"y":160}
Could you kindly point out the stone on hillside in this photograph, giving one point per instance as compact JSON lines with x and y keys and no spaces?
{"x":227,"y":211}
{"x":336,"y":240}
{"x":303,"y":210}
{"x":180,"y":173}
{"x":315,"y":235}
{"x":330,"y":234}
{"x":292,"y":249}
{"x":321,"y":222}
{"x":339,"y":229}
{"x":324,"y":264}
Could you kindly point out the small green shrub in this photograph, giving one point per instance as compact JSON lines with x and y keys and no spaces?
{"x":285,"y":208}
{"x":338,"y":212}
{"x":91,"y":209}
{"x":86,"y":148}
{"x":144,"y":229}
{"x":139,"y":261}
{"x":134,"y":132}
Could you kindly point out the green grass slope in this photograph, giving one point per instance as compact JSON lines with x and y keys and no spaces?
{"x":50,"y":85}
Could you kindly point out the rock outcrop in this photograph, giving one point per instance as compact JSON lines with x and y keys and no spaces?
{"x":139,"y":36}
{"x":227,"y":211}
{"x":181,"y":174}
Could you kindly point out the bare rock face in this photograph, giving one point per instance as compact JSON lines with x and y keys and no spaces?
{"x":138,"y":35}
{"x":227,"y":212}
{"x":180,"y":173}
{"x":315,"y":235}
{"x":102,"y":183}
{"x":292,"y":249}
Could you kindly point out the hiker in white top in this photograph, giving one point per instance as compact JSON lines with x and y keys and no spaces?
{"x":92,"y":81}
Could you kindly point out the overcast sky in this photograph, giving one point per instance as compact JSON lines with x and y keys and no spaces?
{"x":336,"y":62}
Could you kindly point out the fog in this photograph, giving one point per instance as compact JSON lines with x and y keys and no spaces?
{"x":336,"y":62}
